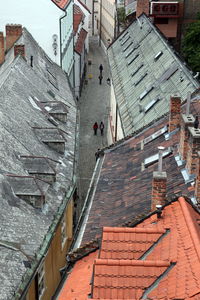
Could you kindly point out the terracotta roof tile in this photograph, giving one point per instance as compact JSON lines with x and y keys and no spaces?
{"x":80,"y":41}
{"x":61,"y":3}
{"x":78,"y":17}
{"x":77,"y":286}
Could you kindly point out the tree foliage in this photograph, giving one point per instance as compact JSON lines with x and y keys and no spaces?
{"x":121,"y":15}
{"x":191,"y":45}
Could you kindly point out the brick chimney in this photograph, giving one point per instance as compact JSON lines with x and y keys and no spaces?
{"x":197,"y":184}
{"x":19,"y":50}
{"x":142,"y":7}
{"x":186,"y":121}
{"x":174,"y":113}
{"x":13,"y":32}
{"x":2,"y":50}
{"x":193,"y":148}
{"x":159,"y":184}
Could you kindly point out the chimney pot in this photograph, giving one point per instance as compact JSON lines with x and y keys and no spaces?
{"x":13,"y":32}
{"x":2,"y":49}
{"x":175,"y":112}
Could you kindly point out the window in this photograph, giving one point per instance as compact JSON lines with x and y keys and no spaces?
{"x":158,"y":55}
{"x":135,"y":72}
{"x":127,"y":47}
{"x":63,"y":231}
{"x":132,"y":60}
{"x":146,"y":92}
{"x":154,"y":158}
{"x":131,"y":51}
{"x":140,"y":79}
{"x":41,"y":281}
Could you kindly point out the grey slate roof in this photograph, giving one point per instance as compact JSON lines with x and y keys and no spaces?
{"x":24,"y":97}
{"x":145,"y":72}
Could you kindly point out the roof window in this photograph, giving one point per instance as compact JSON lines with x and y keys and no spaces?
{"x":127,"y":47}
{"x":140,"y":79}
{"x":135,"y":72}
{"x":154,"y":158}
{"x":158,"y":55}
{"x":155,"y":135}
{"x":151,"y":104}
{"x":124,"y":42}
{"x":146,"y":92}
{"x":132,"y":60}
{"x":132,"y":50}
{"x":123,"y":36}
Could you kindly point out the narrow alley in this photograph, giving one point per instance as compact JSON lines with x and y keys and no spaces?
{"x":94,"y":107}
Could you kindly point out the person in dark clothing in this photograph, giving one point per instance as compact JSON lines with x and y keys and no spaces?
{"x":101,"y":127}
{"x":100,"y":68}
{"x":95,"y":127}
{"x":97,"y":154}
{"x":100,"y":78}
{"x":196,"y":122}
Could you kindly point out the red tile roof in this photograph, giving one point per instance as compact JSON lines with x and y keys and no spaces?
{"x":80,"y":41}
{"x":78,"y":17}
{"x":84,"y":6}
{"x":176,"y":250}
{"x":61,"y":3}
{"x":77,"y":285}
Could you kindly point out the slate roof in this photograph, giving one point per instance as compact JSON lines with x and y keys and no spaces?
{"x":145,"y":72}
{"x":80,"y":41}
{"x":168,"y":265}
{"x":25,"y":94}
{"x":122,"y":191}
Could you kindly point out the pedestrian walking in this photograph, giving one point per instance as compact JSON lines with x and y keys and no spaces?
{"x":97,"y":154}
{"x":95,"y":127}
{"x":100,"y":78}
{"x":196,"y":122}
{"x":100,"y":68}
{"x":101,"y":127}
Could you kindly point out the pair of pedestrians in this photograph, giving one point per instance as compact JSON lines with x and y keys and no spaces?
{"x":100,"y":126}
{"x":100,"y":75}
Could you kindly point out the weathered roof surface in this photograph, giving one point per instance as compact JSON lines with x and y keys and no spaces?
{"x":61,"y":3}
{"x":25,"y":91}
{"x":123,"y":188}
{"x":170,"y":268}
{"x":78,"y":17}
{"x":80,"y":41}
{"x":145,"y":72}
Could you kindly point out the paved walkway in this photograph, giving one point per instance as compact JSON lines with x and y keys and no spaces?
{"x":94,"y":107}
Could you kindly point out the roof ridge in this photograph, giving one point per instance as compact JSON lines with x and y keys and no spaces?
{"x":132,"y":262}
{"x":135,"y":229}
{"x":190,"y":224}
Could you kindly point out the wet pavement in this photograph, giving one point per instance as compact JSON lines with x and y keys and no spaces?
{"x":94,"y":107}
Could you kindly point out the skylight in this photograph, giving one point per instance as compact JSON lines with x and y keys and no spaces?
{"x":127,"y":46}
{"x":151,"y":104}
{"x":154,"y":158}
{"x":158,"y":55}
{"x":125,"y":40}
{"x":155,"y":135}
{"x":132,"y":50}
{"x":140,"y":79}
{"x":123,"y":36}
{"x":132,"y":60}
{"x":137,"y":70}
{"x":146,"y":92}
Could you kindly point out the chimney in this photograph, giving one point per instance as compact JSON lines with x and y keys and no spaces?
{"x":175,"y":113}
{"x":142,"y":7}
{"x":193,"y":148}
{"x":13,"y":32}
{"x":159,"y":184}
{"x":197,"y":184}
{"x":186,"y":121}
{"x":2,"y":50}
{"x":19,"y":50}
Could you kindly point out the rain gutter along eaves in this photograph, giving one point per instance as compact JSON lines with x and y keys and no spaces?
{"x":87,"y":207}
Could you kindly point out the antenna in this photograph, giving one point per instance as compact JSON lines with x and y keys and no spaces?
{"x":55,"y":44}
